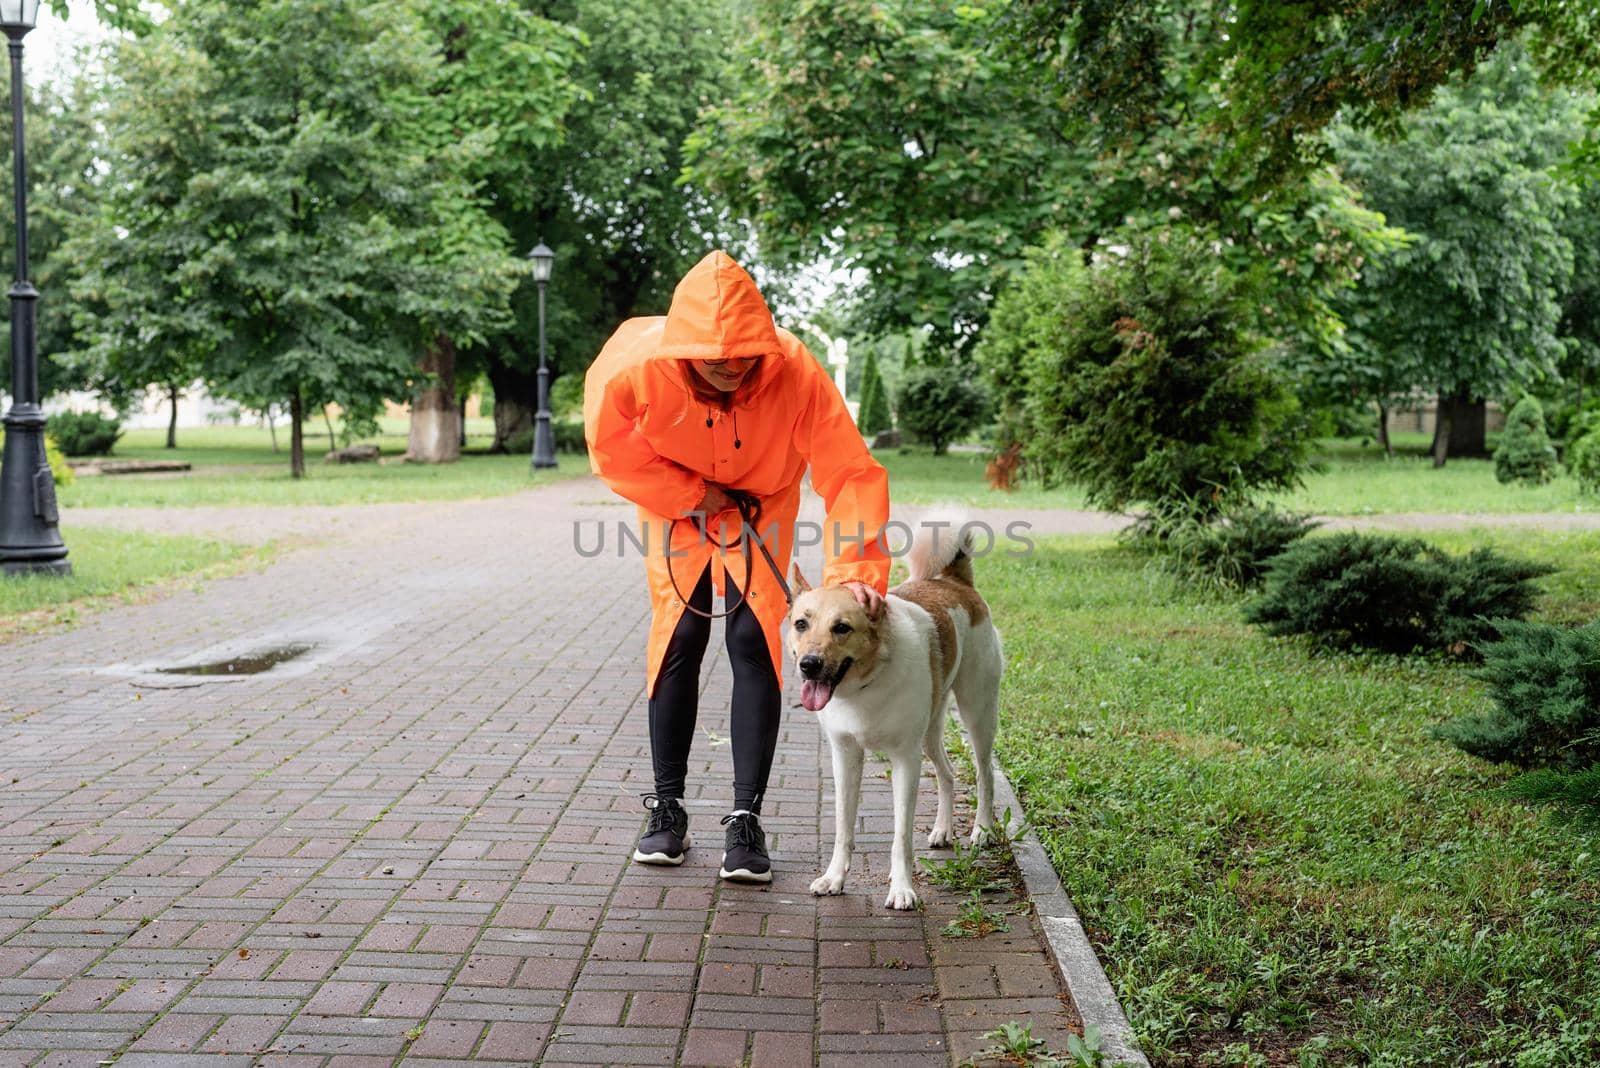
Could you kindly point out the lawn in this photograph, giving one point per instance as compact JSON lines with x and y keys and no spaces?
{"x":110,"y":567}
{"x":206,"y":446}
{"x":1355,"y":478}
{"x":1277,"y":863}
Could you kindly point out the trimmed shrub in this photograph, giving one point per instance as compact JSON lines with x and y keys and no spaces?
{"x":1545,"y":681}
{"x":874,"y":417}
{"x":939,"y":405}
{"x":1525,"y":453}
{"x":1399,"y":595}
{"x":84,"y":433}
{"x":1135,"y":376}
{"x":1232,"y":550}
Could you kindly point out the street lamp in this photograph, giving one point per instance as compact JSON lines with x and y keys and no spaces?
{"x":30,"y":541}
{"x":544,"y":445}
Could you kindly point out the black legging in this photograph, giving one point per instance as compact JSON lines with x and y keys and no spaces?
{"x":757,"y":702}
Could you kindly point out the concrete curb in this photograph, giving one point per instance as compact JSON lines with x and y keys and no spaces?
{"x":1080,"y":968}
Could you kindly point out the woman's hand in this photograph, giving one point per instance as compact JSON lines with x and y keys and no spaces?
{"x":715,"y":502}
{"x":867,"y":597}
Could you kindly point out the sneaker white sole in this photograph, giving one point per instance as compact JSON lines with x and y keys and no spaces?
{"x":662,"y":858}
{"x":745,"y":875}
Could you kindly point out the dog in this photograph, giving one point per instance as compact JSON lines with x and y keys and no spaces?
{"x":883,"y":683}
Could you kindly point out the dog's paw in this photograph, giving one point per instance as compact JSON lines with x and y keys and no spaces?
{"x":901,"y":897}
{"x":827,"y":884}
{"x":982,"y":836}
{"x":940,"y":838}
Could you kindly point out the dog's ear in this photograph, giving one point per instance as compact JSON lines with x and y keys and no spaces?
{"x":799,"y":580}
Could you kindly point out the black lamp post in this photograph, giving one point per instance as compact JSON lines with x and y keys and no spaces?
{"x":30,"y":541}
{"x":544,"y":444}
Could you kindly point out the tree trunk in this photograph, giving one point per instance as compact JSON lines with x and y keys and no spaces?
{"x":1383,"y":431}
{"x":435,"y":431}
{"x":272,"y":426}
{"x":297,"y":440}
{"x":333,"y":446}
{"x":172,"y":420}
{"x":462,"y":409}
{"x":516,"y":396}
{"x":1460,"y":430}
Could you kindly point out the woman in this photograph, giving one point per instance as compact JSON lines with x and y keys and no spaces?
{"x":685,"y":414}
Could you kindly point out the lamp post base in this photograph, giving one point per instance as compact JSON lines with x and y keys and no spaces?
{"x":544,"y":442}
{"x":30,"y":540}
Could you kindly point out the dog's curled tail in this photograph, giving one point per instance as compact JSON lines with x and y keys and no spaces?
{"x":941,"y":547}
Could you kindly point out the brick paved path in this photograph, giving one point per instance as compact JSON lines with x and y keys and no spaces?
{"x":415,"y":847}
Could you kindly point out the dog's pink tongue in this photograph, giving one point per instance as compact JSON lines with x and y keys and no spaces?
{"x":815,"y":694}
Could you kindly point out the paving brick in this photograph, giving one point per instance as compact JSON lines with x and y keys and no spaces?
{"x":704,"y":1046}
{"x":513,"y":1042}
{"x":176,"y":1032}
{"x":594,"y":1007}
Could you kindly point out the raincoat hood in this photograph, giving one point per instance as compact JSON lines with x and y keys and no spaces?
{"x":717,"y":313}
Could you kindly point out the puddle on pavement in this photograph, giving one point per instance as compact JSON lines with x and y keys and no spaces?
{"x":248,"y":664}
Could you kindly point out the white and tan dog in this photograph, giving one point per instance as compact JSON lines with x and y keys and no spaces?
{"x":884,"y":683}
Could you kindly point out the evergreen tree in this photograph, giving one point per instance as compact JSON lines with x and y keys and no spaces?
{"x":1525,"y":453}
{"x":874,"y":415}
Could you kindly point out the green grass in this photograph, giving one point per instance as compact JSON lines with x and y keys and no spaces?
{"x":229,"y":445}
{"x":108,"y":567}
{"x":1357,"y":479}
{"x":916,"y":476}
{"x":471,"y":477}
{"x":1276,"y":861}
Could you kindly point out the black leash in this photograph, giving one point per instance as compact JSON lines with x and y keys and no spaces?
{"x":749,"y":512}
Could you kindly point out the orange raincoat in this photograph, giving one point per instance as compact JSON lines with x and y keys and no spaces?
{"x":657,"y":444}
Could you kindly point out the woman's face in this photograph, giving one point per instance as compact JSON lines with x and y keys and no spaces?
{"x":725,"y":375}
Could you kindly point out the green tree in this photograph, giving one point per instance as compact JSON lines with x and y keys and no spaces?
{"x":888,"y":135}
{"x":1472,"y":308}
{"x":504,"y":80}
{"x":1265,"y":78}
{"x":1136,"y":376}
{"x":60,"y":126}
{"x":608,"y":198}
{"x":900,"y":138}
{"x":938,"y":405}
{"x":280,"y":205}
{"x":1580,"y":300}
{"x":874,"y":406}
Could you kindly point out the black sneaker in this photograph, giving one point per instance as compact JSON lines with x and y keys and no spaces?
{"x":744,"y":852}
{"x":666,"y":837}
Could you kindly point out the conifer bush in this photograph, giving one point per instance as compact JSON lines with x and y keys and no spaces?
{"x":1545,"y":682}
{"x":1525,"y":453}
{"x":1234,"y":549}
{"x":1398,"y":595}
{"x":874,"y":415}
{"x":1136,"y":375}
